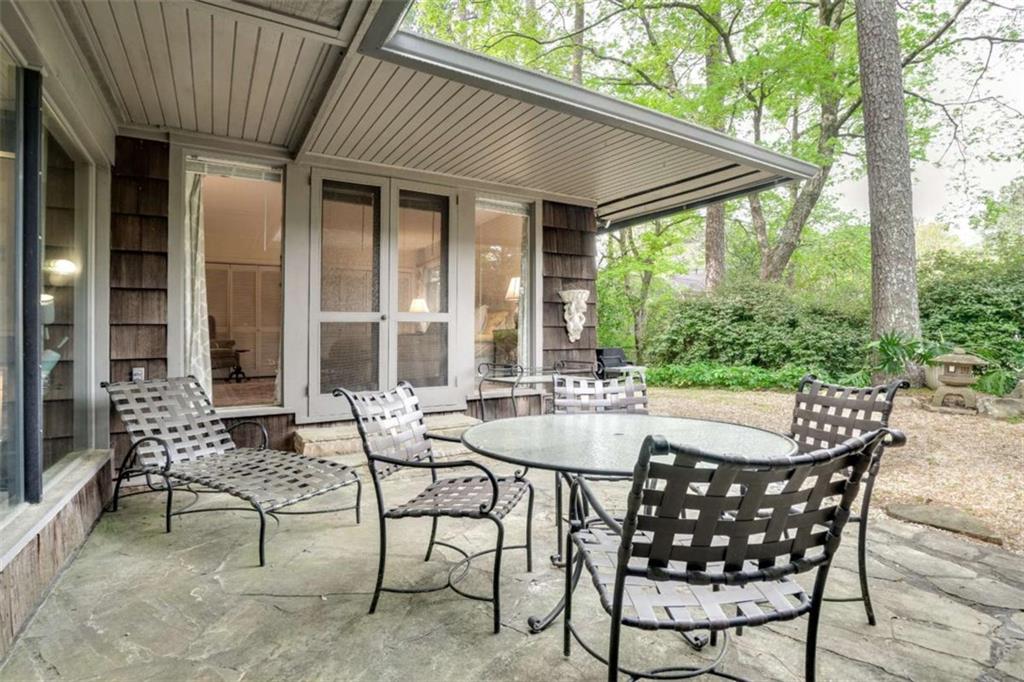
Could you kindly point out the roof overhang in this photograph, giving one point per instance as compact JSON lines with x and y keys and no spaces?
{"x":338,"y":83}
{"x":729,"y":168}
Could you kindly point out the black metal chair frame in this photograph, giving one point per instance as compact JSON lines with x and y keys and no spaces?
{"x":132,"y":464}
{"x":422,"y":457}
{"x":738,"y":527}
{"x":486,"y":371}
{"x":844,"y":412}
{"x":559,"y":385}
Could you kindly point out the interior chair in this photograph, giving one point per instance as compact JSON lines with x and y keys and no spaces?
{"x":178,"y":437}
{"x":223,"y":354}
{"x":394,"y":438}
{"x":715,"y":544}
{"x":825,"y":415}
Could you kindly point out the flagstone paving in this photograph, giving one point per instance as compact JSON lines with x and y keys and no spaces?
{"x":193,"y":605}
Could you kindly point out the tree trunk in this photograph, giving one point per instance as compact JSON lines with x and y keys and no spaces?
{"x":714,"y":247}
{"x":714,"y":219}
{"x":893,"y":258}
{"x":579,"y":21}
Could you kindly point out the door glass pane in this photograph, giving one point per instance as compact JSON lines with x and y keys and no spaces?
{"x":350,"y":248}
{"x":62,"y":270}
{"x":422,"y":253}
{"x":349,"y":356}
{"x":10,"y":384}
{"x":423,"y":353}
{"x":502,"y":281}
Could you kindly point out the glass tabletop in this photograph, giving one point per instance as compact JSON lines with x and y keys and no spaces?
{"x":608,"y":444}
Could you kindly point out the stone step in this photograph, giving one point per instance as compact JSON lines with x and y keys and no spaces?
{"x":343,"y":439}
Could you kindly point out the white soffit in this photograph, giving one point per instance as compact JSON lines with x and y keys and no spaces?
{"x":413,"y":102}
{"x":220,"y":67}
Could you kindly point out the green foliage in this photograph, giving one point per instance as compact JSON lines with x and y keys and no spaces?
{"x":763,"y":325}
{"x":736,"y":377}
{"x":891,"y":352}
{"x":1001,"y":222}
{"x":975,"y":301}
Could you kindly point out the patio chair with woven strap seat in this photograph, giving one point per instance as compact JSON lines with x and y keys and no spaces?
{"x":584,"y":395}
{"x":716,"y":543}
{"x":395,"y":437}
{"x":825,"y":415}
{"x":178,"y":437}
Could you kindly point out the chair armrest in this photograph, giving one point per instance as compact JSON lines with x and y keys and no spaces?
{"x":581,"y":487}
{"x":441,"y":437}
{"x":133,"y":451}
{"x":457,"y":464}
{"x":265,"y":437}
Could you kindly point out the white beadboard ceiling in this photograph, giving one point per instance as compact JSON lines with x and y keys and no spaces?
{"x":329,"y":78}
{"x":397,"y":116}
{"x":207,"y":68}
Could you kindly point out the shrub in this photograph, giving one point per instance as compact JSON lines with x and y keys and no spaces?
{"x":977,"y":302}
{"x":737,"y":377}
{"x":762,"y":326}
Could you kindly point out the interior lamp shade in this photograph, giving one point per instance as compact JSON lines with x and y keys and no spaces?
{"x":512,"y":293}
{"x":419,"y":305}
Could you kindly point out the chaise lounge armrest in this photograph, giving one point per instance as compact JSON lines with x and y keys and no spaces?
{"x":264,"y":436}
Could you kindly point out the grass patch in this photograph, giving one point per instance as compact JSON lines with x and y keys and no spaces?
{"x":733,"y":377}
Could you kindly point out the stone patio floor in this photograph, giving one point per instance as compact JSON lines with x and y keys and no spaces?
{"x":137,"y":604}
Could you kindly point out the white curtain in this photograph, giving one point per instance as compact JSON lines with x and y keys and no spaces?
{"x":197,"y":329}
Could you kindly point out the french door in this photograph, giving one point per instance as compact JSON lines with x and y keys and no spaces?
{"x":382,"y":289}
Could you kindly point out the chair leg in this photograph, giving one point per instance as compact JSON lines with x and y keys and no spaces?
{"x":529,"y":531}
{"x":862,"y":551}
{"x":263,"y":533}
{"x":359,"y":501}
{"x":497,"y":574}
{"x":812,"y":623}
{"x":613,"y":650}
{"x":170,"y":497}
{"x":567,"y":614}
{"x":117,"y":489}
{"x":433,"y":534}
{"x":380,"y":566}
{"x":558,"y":519}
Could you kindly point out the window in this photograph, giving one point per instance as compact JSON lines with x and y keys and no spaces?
{"x":238,"y":231}
{"x":11,"y":452}
{"x":502,"y":319}
{"x":61,"y":273}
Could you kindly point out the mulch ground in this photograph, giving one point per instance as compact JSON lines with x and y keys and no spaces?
{"x":973,"y":463}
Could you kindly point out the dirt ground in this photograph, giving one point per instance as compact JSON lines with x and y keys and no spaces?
{"x":973,"y":463}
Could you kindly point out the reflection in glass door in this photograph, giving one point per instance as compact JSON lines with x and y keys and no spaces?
{"x":347,"y":332}
{"x":422,"y":314}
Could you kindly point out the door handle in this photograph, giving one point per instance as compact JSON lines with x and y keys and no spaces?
{"x":383,"y":318}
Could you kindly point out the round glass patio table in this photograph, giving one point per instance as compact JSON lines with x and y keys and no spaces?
{"x":608,"y":445}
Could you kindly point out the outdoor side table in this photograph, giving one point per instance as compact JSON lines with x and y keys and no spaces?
{"x":607,"y":445}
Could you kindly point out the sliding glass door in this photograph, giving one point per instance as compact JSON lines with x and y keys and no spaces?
{"x":381,"y":289}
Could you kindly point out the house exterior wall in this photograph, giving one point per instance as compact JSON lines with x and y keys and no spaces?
{"x":139,"y":277}
{"x":569,"y":262}
{"x":138,"y":266}
{"x":25,"y":580}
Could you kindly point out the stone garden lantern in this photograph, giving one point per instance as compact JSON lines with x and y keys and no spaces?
{"x":956,"y":374}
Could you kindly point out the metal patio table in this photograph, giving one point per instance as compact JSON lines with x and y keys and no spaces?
{"x":607,"y":445}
